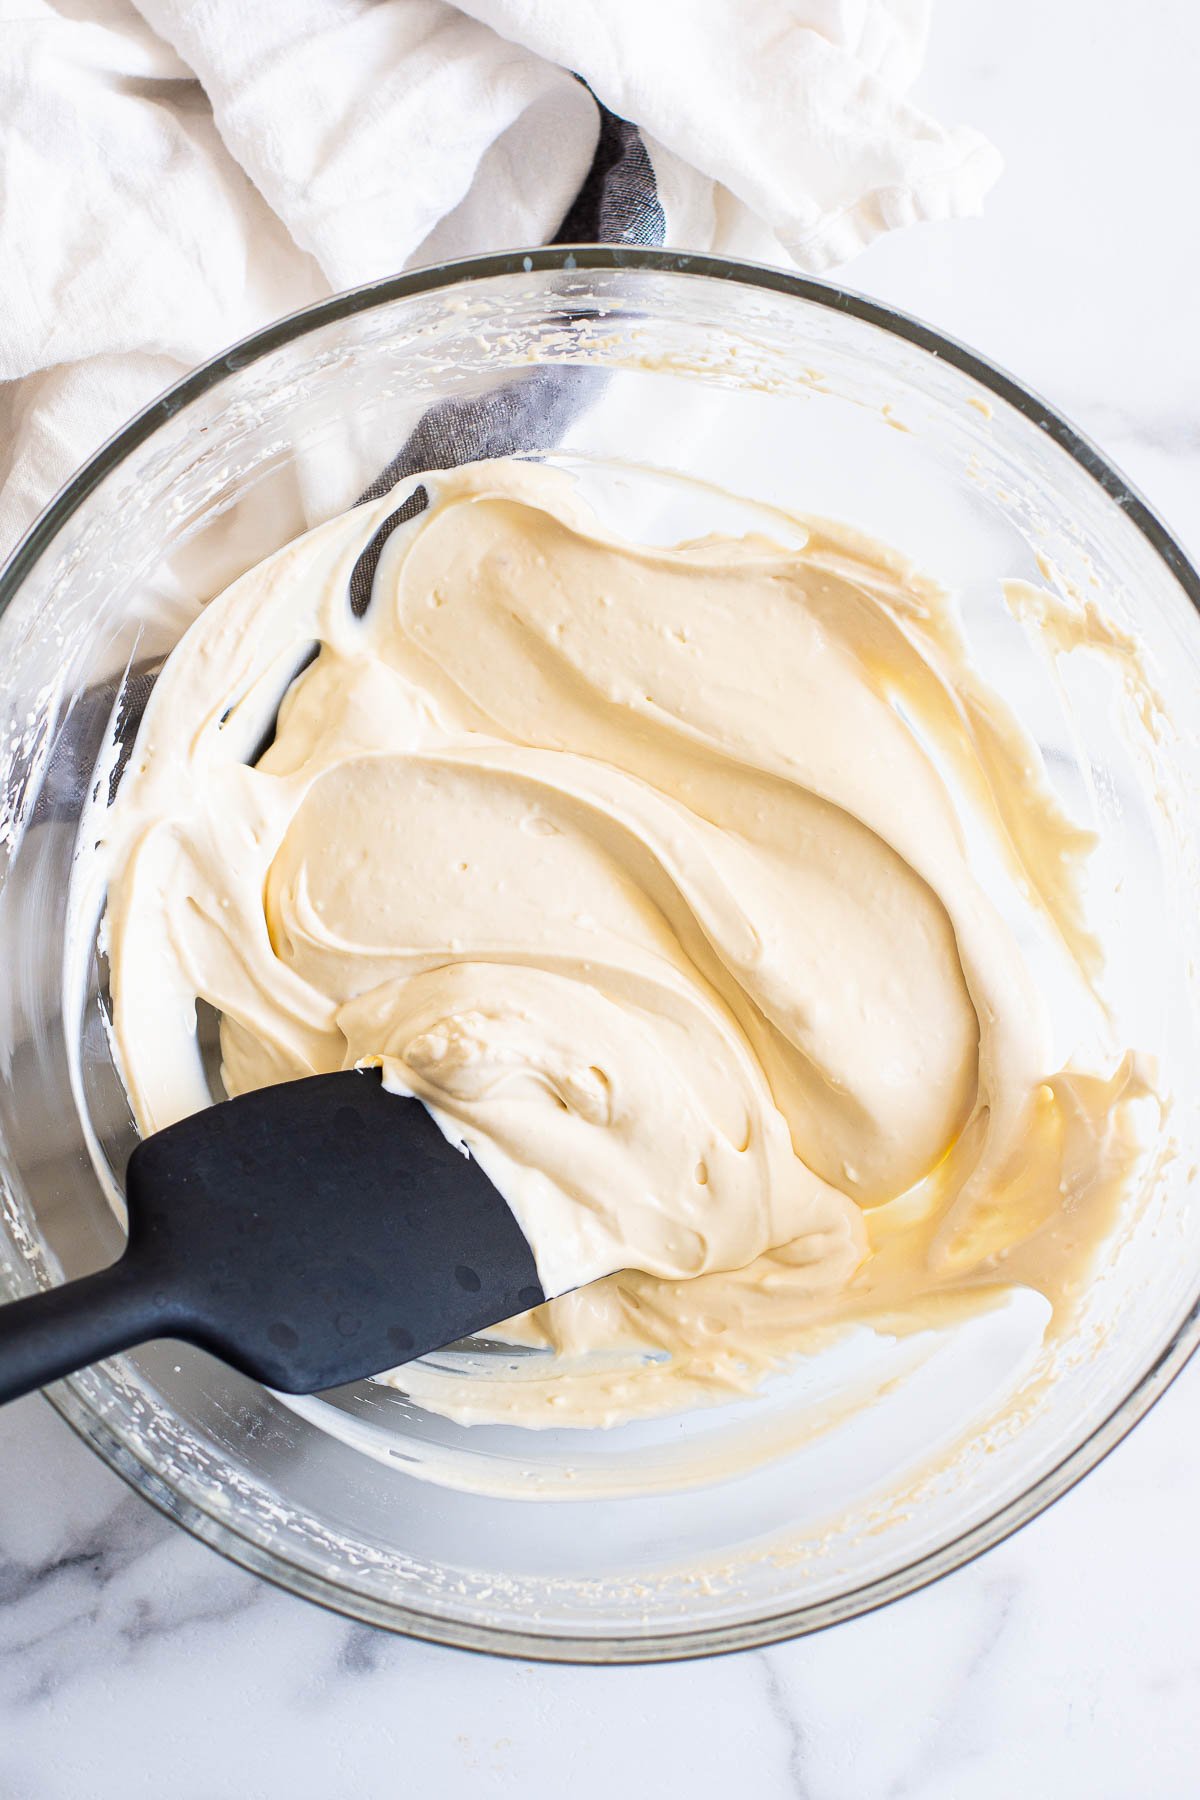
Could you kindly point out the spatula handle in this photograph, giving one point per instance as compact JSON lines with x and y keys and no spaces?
{"x":50,"y":1335}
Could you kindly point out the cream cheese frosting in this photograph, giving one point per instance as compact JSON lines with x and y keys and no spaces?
{"x":651,"y":871}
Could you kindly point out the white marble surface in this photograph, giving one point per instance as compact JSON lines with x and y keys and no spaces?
{"x":1066,"y":1663}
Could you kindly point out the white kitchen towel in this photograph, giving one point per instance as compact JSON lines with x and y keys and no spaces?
{"x":176,"y":173}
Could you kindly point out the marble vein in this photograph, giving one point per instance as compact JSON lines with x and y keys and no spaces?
{"x":784,"y":1708}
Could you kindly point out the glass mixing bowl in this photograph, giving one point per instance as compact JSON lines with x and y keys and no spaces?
{"x":667,"y":383}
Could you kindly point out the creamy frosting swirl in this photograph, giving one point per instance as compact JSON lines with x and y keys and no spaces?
{"x":646,"y":870}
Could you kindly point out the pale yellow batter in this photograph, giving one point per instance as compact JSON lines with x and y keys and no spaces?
{"x":645,"y":870}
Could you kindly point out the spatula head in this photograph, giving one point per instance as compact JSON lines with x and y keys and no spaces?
{"x":321,"y":1231}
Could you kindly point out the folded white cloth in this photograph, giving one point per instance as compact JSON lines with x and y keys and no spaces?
{"x":176,"y":174}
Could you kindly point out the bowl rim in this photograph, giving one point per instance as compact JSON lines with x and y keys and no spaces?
{"x":69,"y":1397}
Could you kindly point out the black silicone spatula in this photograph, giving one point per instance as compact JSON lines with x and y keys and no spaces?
{"x":310,"y":1234}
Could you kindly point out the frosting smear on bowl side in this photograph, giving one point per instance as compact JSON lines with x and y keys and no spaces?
{"x":646,"y":870}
